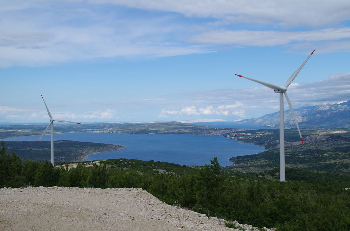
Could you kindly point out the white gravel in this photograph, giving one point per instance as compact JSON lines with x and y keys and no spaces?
{"x":58,"y":208}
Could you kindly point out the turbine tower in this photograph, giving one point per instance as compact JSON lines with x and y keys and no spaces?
{"x":51,"y":125}
{"x":283,"y":91}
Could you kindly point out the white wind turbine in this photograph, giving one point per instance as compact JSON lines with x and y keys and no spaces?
{"x":281,"y":91}
{"x":51,"y":124}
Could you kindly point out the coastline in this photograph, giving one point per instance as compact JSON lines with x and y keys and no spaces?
{"x":65,"y":150}
{"x":184,"y":149}
{"x":85,"y":156}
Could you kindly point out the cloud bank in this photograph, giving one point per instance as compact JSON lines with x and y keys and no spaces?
{"x":222,"y":104}
{"x":309,"y":13}
{"x":254,"y":102}
{"x":39,"y":33}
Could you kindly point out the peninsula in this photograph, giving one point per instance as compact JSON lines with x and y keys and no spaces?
{"x":65,"y":150}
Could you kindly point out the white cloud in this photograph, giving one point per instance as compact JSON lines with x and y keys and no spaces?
{"x":189,"y":111}
{"x":8,"y":113}
{"x":106,"y":114}
{"x":163,"y":113}
{"x":203,"y":120}
{"x":35,"y":47}
{"x":207,"y":111}
{"x":254,"y":102}
{"x":11,"y":113}
{"x":271,"y":38}
{"x":37,"y":32}
{"x":223,"y":110}
{"x":323,"y":46}
{"x":7,"y":110}
{"x":46,"y":35}
{"x":16,"y":5}
{"x":231,"y":106}
{"x":284,"y":13}
{"x":332,"y":90}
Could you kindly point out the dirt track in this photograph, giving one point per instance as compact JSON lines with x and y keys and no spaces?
{"x":95,"y":209}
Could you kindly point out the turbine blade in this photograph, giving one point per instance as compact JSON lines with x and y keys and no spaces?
{"x":48,"y":112}
{"x":66,"y":121}
{"x":263,"y":83}
{"x":45,"y":131}
{"x":294,"y":117}
{"x":292,"y":77}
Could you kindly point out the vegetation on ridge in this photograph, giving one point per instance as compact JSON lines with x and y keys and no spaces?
{"x":326,"y":151}
{"x":256,"y":199}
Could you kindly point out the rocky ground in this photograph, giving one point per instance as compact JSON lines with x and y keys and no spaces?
{"x":59,"y":208}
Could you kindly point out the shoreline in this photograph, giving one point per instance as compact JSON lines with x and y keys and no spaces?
{"x":96,"y":153}
{"x":227,"y":152}
{"x":65,"y":150}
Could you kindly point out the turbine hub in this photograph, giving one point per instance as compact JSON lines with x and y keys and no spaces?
{"x":280,"y":90}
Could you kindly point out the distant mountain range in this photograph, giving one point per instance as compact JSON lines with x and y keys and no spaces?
{"x":322,"y":116}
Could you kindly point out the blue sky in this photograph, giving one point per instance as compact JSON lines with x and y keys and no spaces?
{"x":160,"y":60}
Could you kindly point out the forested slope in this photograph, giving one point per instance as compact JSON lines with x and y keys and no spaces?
{"x":256,"y":199}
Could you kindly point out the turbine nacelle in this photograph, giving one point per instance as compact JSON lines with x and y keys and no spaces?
{"x":280,"y":90}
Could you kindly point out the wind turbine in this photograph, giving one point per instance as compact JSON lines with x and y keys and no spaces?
{"x":51,"y":125}
{"x":281,"y":91}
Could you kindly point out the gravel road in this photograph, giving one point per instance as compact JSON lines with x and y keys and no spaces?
{"x":58,"y":208}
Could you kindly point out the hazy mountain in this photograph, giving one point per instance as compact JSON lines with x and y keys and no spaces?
{"x":322,"y":116}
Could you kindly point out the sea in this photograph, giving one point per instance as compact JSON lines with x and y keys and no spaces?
{"x":190,"y":150}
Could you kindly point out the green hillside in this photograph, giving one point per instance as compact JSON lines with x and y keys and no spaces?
{"x":308,"y":201}
{"x":326,"y":151}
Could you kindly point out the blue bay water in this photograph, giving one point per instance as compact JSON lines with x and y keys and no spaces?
{"x":173,"y":148}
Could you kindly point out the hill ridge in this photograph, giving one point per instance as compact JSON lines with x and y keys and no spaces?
{"x":320,"y":116}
